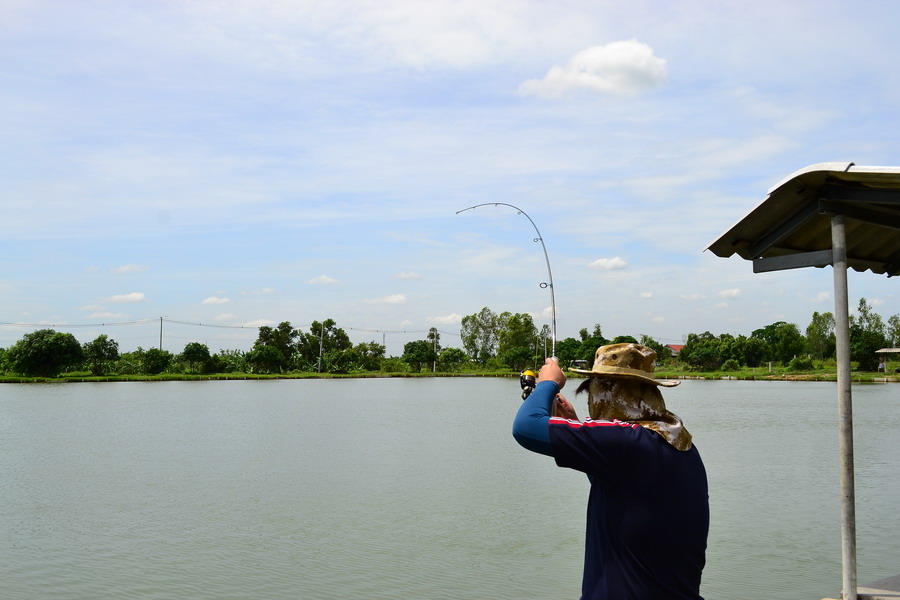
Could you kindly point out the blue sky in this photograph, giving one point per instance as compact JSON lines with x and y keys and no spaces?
{"x":244,"y":163}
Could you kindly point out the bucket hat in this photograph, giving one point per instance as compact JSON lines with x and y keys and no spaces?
{"x":625,"y":361}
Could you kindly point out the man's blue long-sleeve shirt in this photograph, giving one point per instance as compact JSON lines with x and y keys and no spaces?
{"x":531,"y":425}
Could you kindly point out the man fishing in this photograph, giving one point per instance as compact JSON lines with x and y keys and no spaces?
{"x":648,"y":507}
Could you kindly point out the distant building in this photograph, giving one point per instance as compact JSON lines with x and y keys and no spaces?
{"x":674,"y":349}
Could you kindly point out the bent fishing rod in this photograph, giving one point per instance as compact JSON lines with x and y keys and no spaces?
{"x":545,"y":284}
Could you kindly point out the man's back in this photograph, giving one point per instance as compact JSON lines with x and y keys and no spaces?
{"x":648,"y":512}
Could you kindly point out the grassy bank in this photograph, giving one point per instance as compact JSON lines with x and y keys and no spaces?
{"x":87,"y":377}
{"x":758,"y":374}
{"x":779,"y":375}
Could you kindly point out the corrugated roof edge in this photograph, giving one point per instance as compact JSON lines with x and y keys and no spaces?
{"x":840,"y":167}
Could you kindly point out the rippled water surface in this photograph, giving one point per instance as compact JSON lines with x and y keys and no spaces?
{"x":403,"y":488}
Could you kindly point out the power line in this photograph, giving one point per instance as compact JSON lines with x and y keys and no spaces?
{"x":198,"y":324}
{"x":207,"y":324}
{"x":73,"y":325}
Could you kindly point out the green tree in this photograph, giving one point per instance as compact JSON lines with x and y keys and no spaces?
{"x":100,"y":354}
{"x":155,"y":361}
{"x":282,"y":338}
{"x":702,"y":352}
{"x":321,"y":339}
{"x":480,"y":333}
{"x":518,"y":358}
{"x":129,"y":363}
{"x":820,"y":338}
{"x":567,"y":350}
{"x":214,"y":364}
{"x":451,"y":359}
{"x":729,"y":348}
{"x":516,"y":340}
{"x":754,"y":351}
{"x":867,"y":335}
{"x":893,"y":330}
{"x":784,"y":339}
{"x":367,"y":356}
{"x":590,"y":342}
{"x":418,"y":353}
{"x":545,"y":344}
{"x":338,"y":361}
{"x":195,"y":354}
{"x":264,"y":359}
{"x":233,"y":361}
{"x":45,"y":353}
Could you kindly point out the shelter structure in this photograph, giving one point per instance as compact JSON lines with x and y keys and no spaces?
{"x":842,"y":215}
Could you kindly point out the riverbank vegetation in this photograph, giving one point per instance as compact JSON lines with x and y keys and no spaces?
{"x":493,"y":344}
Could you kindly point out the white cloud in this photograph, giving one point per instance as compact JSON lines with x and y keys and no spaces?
{"x":94,"y":307}
{"x":646,"y":295}
{"x":408,"y":276}
{"x":261,"y":292}
{"x":323,"y":280}
{"x":693,"y":296}
{"x":822,"y":297}
{"x":132,"y":297}
{"x":625,"y":67}
{"x":732,"y":293}
{"x":451,"y":319}
{"x":129,"y":269}
{"x":216,"y":300}
{"x":391,"y":299}
{"x":875,"y":302}
{"x":722,"y":305}
{"x":226,"y":317}
{"x":608,"y":264}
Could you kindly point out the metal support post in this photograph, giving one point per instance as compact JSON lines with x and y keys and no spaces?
{"x":845,"y":409}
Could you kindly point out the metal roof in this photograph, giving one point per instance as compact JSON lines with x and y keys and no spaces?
{"x":795,"y":220}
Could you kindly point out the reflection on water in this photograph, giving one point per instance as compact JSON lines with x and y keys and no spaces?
{"x":403,"y":488}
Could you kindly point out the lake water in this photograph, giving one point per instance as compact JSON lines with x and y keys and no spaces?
{"x":404,"y":488}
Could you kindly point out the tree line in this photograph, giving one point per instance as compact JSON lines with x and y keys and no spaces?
{"x":491,"y":342}
{"x":323,"y":348}
{"x":784,"y":344}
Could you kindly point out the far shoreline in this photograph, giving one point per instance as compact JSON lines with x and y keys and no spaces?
{"x":662,"y":375}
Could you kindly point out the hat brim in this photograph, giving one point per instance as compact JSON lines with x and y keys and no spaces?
{"x":620,"y":375}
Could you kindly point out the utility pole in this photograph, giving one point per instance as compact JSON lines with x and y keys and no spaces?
{"x":321,"y":342}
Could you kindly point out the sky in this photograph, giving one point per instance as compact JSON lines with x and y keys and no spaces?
{"x":203,"y":167}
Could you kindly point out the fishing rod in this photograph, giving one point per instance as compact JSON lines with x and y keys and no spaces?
{"x":546,"y":284}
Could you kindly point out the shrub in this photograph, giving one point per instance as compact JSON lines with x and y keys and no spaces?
{"x":731,"y":365}
{"x":800,"y":363}
{"x":394,"y":365}
{"x":495,"y":364}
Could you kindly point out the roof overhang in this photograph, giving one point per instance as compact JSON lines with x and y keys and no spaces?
{"x":792,"y":226}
